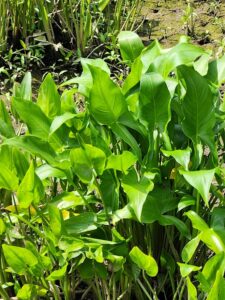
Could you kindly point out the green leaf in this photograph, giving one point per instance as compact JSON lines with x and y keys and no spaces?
{"x":212,"y":265}
{"x":66,"y":200}
{"x":189,"y":249}
{"x":45,"y":171}
{"x":182,"y":157}
{"x":201,"y":65}
{"x":123,"y":213}
{"x":21,"y":161}
{"x":110,"y":190}
{"x":197,"y":222}
{"x":144,"y":262}
{"x":19,"y":259}
{"x":186,"y":201}
{"x":121,"y":162}
{"x":217,"y":291}
{"x":83,"y":223}
{"x":159,"y":201}
{"x":86,"y":160}
{"x":166,"y":220}
{"x":212,"y":240}
{"x":216,"y":71}
{"x":122,"y":132}
{"x":37,"y":122}
{"x":102,"y":4}
{"x":48,"y":97}
{"x":106,"y":101}
{"x":130,"y":45}
{"x":26,"y":87}
{"x":6,"y":128}
{"x":186,"y":269}
{"x":8,"y":179}
{"x":2,"y":227}
{"x":192,"y":292}
{"x":55,"y":220}
{"x":86,"y":269}
{"x":85,"y":81}
{"x":31,"y":189}
{"x":137,"y":191}
{"x":154,"y":102}
{"x":67,"y":101}
{"x":34,"y":145}
{"x":181,"y":54}
{"x":200,"y":180}
{"x":29,"y":291}
{"x":60,"y":120}
{"x":218,"y":218}
{"x":70,"y":244}
{"x":141,"y":65}
{"x":197,"y":107}
{"x":57,"y":274}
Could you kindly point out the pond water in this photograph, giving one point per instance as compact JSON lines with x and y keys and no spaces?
{"x":167,"y":20}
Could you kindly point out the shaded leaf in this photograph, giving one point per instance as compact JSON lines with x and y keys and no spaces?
{"x":137,"y":191}
{"x":83,"y":223}
{"x":87,"y":159}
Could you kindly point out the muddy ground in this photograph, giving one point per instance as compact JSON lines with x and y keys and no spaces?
{"x":167,"y":20}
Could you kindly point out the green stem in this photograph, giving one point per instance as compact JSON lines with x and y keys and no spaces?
{"x":150,"y":287}
{"x":102,"y":198}
{"x":182,"y":291}
{"x":197,"y":203}
{"x":178,"y":288}
{"x":144,"y":289}
{"x":98,"y":289}
{"x":173,"y":249}
{"x":3,"y":293}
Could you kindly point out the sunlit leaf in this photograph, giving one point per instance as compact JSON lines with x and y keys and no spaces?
{"x":30,"y":189}
{"x":182,"y":157}
{"x":130,"y":45}
{"x":121,"y":162}
{"x":57,"y":274}
{"x":186,"y":269}
{"x":200,"y":180}
{"x":19,"y":259}
{"x":48,"y":97}
{"x":143,"y":261}
{"x":189,"y":249}
{"x":106,"y":100}
{"x":192,"y":292}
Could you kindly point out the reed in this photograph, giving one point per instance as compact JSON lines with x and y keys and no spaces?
{"x":76,"y":24}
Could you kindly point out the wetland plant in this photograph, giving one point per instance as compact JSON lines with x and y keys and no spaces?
{"x":122,"y":198}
